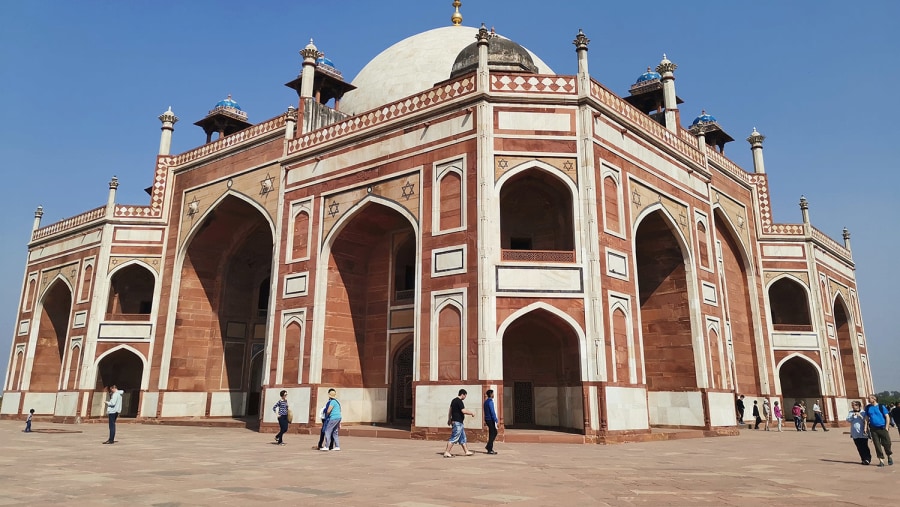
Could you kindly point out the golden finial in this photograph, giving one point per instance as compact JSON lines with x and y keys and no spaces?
{"x":456,"y":18}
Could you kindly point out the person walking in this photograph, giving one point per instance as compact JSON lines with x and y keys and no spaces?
{"x":858,"y":432}
{"x":739,"y":407}
{"x":797,"y":412}
{"x":455,"y":419}
{"x":113,"y":408}
{"x":803,"y":415}
{"x":817,"y":413}
{"x":490,"y":420}
{"x":756,"y":416}
{"x":895,"y":416}
{"x":876,"y":426}
{"x":767,"y":412}
{"x":333,"y":426}
{"x":28,"y":421}
{"x":779,"y":415}
{"x":281,"y":410}
{"x":323,"y":416}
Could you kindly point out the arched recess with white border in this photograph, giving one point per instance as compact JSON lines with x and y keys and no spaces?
{"x":36,"y":326}
{"x":697,"y":332}
{"x":615,"y":176}
{"x":145,"y":368}
{"x":318,"y":331}
{"x":623,"y":305}
{"x":455,"y":300}
{"x":808,"y":299}
{"x":76,"y":344}
{"x":297,"y":317}
{"x":540,"y":305}
{"x":179,"y":266}
{"x":441,"y":170}
{"x":859,"y":372}
{"x":535,"y":164}
{"x":296,"y":209}
{"x":726,"y":355}
{"x":156,"y":289}
{"x":819,"y":372}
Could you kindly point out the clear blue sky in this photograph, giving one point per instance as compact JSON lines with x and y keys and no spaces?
{"x":82,"y":84}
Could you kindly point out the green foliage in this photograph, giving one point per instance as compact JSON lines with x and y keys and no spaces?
{"x":886,"y":397}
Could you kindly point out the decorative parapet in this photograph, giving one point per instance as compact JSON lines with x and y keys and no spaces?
{"x":639,"y":119}
{"x":827,"y":242}
{"x":533,"y":84}
{"x":94,"y":215}
{"x":785,"y":230}
{"x":248,"y":134}
{"x":729,"y":166}
{"x":369,"y":119}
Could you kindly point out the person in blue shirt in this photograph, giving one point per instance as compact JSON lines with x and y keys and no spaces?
{"x":490,"y":420}
{"x":876,"y":427}
{"x":332,"y":422}
{"x":858,"y":432}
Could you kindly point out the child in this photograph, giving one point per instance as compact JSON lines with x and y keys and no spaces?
{"x":858,"y":432}
{"x":28,"y":421}
{"x":779,"y":416}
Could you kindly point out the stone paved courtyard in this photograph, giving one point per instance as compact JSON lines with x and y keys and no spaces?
{"x":171,"y":466}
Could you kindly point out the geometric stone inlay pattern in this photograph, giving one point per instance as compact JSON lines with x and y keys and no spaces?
{"x":542,"y":84}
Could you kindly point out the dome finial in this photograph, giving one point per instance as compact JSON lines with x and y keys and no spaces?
{"x":456,"y":18}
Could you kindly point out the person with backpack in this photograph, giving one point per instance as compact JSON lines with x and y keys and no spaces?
{"x":798,"y":413}
{"x":876,"y":426}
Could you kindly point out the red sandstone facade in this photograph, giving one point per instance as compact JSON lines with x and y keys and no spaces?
{"x":604,"y":269}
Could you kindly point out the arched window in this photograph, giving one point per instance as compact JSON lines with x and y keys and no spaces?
{"x":536,"y":222}
{"x":790,"y":306}
{"x":451,"y":201}
{"x":130,"y":293}
{"x":704,"y":244}
{"x":86,"y":280}
{"x":300,"y":246}
{"x":611,"y":204}
{"x":404,"y":268}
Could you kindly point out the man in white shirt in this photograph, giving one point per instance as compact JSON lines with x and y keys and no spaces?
{"x":817,"y":411}
{"x":113,"y":407}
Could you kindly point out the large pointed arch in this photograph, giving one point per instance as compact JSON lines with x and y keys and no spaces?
{"x":541,"y":385}
{"x":219,"y":265}
{"x":49,"y":337}
{"x":815,"y":366}
{"x":655,"y":356}
{"x":198,"y":222}
{"x":848,"y":348}
{"x":364,"y":370}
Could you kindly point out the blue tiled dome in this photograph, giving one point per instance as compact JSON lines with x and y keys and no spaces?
{"x":324,"y":61}
{"x":648,"y":76}
{"x":704,"y":118}
{"x":228,"y":102}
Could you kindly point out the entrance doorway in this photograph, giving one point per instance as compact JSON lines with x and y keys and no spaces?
{"x":123,"y":369}
{"x":402,"y":385}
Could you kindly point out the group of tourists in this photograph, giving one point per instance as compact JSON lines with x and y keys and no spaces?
{"x":331,"y":421}
{"x":866,"y":423}
{"x":774,"y":414}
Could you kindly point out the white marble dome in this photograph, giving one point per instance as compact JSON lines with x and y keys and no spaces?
{"x":412,"y":65}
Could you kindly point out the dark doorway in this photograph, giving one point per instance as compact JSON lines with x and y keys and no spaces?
{"x":123,"y":369}
{"x":523,"y":403}
{"x":402,"y":385}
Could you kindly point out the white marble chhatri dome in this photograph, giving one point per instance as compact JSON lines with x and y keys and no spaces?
{"x":412,"y":65}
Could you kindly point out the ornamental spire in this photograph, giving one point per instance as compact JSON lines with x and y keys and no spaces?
{"x":456,"y":18}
